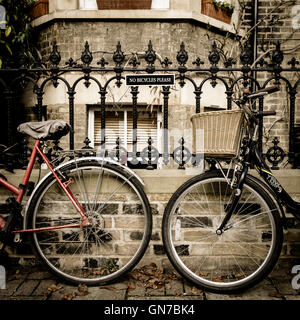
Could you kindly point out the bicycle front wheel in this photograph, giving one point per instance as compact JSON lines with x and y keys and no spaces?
{"x":119,"y":209}
{"x":242,"y":255}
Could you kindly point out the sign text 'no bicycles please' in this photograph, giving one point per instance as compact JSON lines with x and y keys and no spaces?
{"x":150,"y":80}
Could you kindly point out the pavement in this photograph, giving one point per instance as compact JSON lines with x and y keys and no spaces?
{"x":145,"y":283}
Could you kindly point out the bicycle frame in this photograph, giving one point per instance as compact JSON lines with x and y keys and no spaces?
{"x":19,"y":191}
{"x":265,"y":172}
{"x":263,"y":169}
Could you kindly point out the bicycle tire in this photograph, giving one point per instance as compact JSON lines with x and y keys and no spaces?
{"x":109,"y":263}
{"x":187,"y":253}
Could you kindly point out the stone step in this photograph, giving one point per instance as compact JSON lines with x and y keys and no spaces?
{"x":167,"y":181}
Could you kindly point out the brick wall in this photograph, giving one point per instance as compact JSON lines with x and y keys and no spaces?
{"x":123,"y":221}
{"x":276,"y":25}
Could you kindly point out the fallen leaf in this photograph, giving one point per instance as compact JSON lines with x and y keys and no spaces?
{"x":68,"y":296}
{"x":275,"y":294}
{"x":151,"y":277}
{"x":152,"y":265}
{"x":173,"y":276}
{"x":81,"y":291}
{"x":218,"y":280}
{"x":196,"y":290}
{"x":131,"y":287}
{"x":201,"y":273}
{"x":82,"y":288}
{"x":98,"y":272}
{"x":54,"y":288}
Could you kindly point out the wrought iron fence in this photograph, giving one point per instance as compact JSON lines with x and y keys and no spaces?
{"x":12,"y":79}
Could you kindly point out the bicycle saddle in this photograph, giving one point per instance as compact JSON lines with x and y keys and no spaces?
{"x":45,"y":130}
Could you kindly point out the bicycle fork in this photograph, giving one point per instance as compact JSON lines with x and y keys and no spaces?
{"x":231,"y":207}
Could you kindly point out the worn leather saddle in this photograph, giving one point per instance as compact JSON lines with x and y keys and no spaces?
{"x":45,"y":130}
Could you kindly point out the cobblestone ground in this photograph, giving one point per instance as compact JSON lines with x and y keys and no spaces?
{"x":36,"y":284}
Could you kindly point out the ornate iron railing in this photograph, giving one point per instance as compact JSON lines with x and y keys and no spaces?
{"x":12,"y":79}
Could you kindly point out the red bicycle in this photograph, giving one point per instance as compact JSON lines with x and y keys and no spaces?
{"x":88,"y":219}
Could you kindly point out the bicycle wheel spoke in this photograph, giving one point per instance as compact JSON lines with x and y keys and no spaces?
{"x":98,"y":186}
{"x":217,"y":260}
{"x":237,"y":262}
{"x":95,"y":252}
{"x":251,"y":217}
{"x":114,"y":192}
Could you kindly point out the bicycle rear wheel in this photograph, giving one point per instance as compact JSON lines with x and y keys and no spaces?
{"x":122,"y":222}
{"x":242,"y":255}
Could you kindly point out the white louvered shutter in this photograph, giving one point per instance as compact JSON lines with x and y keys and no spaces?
{"x":120,"y":123}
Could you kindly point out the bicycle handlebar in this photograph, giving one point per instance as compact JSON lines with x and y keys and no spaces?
{"x":261,"y":92}
{"x":270,"y":89}
{"x":261,"y":114}
{"x":268,"y":113}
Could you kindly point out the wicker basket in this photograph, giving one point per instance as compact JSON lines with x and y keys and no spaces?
{"x":222,"y":132}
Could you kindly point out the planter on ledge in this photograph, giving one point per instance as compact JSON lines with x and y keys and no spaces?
{"x":210,"y":9}
{"x":40,"y":8}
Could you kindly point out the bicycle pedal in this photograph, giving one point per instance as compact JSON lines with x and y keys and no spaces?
{"x":17,"y":238}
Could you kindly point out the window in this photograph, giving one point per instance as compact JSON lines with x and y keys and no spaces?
{"x":119,"y":124}
{"x":88,"y":5}
{"x":160,"y":4}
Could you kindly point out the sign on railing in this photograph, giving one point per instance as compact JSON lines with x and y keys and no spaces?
{"x":149,"y":80}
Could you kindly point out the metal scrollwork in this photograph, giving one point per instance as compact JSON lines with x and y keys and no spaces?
{"x":87,"y":56}
{"x":181,"y":154}
{"x":54,"y":55}
{"x":118,"y":55}
{"x":214,"y":56}
{"x":275,"y":154}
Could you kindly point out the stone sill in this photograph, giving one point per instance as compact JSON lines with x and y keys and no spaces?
{"x":135,"y":15}
{"x":166,"y":181}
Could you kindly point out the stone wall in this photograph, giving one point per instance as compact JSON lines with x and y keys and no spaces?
{"x":134,"y":37}
{"x":166,"y":37}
